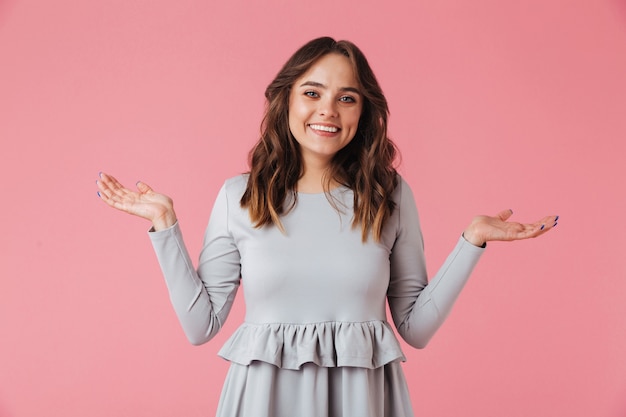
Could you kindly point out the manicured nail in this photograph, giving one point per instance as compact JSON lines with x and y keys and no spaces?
{"x":542,"y":226}
{"x":99,"y":194}
{"x":100,"y":174}
{"x":557,"y":218}
{"x":555,"y":224}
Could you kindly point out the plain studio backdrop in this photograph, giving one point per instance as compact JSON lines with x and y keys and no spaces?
{"x":494,"y":105}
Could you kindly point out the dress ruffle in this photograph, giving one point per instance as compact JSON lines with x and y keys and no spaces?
{"x":370,"y":344}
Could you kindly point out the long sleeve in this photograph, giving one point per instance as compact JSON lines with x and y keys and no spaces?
{"x":418,"y":307}
{"x":202,"y":298}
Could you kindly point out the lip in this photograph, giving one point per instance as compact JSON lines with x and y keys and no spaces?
{"x":324,"y":132}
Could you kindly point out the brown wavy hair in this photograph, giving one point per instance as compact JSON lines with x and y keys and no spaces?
{"x":365,"y":165}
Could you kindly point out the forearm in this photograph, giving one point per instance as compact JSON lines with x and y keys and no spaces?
{"x":435,"y":300}
{"x":188,"y":295}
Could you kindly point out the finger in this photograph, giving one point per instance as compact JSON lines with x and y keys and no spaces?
{"x":106,"y":182}
{"x":112,"y":188}
{"x":539,"y":228}
{"x":547,"y":223}
{"x":108,"y":195}
{"x":528,"y":231}
{"x":105,"y":191}
{"x":112,"y":192}
{"x":505,"y":214}
{"x":112,"y":182}
{"x":143,"y":187}
{"x":116,"y":201}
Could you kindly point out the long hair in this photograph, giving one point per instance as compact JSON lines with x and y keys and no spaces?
{"x":365,"y":165}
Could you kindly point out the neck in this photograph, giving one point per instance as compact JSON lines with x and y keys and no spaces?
{"x":312,"y":181}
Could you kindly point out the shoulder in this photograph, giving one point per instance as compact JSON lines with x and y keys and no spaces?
{"x":402,"y":192}
{"x":237,"y":182}
{"x":236,"y":186}
{"x":231,"y":191}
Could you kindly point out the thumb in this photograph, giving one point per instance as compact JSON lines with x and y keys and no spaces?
{"x":143,"y":187}
{"x":505,"y":214}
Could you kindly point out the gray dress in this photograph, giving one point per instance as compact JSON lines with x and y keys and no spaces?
{"x":315,"y":341}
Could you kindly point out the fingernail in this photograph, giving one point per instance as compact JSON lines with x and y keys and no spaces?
{"x":99,"y":194}
{"x":542,"y":226}
{"x":555,"y":224}
{"x":100,"y":174}
{"x":557,"y":218}
{"x":511,"y":210}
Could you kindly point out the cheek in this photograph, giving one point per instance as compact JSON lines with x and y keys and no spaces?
{"x":292,"y":119}
{"x":355,"y":118}
{"x":295,"y":125}
{"x":297,"y":108}
{"x":291,"y":114}
{"x":298,"y":116}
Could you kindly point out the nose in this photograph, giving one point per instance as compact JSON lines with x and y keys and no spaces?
{"x":327,"y":107}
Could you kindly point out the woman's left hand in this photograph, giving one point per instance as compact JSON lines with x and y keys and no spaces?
{"x":486,"y":228}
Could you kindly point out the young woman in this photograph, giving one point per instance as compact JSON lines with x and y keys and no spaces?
{"x":323,"y":232}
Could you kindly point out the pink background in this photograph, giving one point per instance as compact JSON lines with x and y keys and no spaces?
{"x":493,"y":104}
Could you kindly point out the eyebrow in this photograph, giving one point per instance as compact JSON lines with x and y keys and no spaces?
{"x":320,"y":85}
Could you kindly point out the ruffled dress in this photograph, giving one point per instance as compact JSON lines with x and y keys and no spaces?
{"x":315,"y":340}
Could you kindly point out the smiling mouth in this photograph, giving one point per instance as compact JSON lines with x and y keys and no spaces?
{"x":330,"y":129}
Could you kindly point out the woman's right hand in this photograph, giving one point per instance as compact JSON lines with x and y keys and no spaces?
{"x":158,"y":208}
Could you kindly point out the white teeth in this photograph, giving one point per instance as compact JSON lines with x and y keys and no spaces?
{"x":324,"y":128}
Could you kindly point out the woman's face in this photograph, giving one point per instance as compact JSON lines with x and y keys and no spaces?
{"x":324,"y":109}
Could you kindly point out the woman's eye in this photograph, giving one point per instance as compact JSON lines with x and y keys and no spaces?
{"x":310,"y":93}
{"x":347,"y":99}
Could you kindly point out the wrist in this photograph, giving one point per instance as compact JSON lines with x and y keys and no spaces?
{"x":165,"y":221}
{"x":474,"y":238}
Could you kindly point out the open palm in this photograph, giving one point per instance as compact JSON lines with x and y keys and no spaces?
{"x":158,"y":208}
{"x":489,"y":228}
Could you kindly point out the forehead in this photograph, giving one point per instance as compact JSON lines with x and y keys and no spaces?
{"x":332,"y":69}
